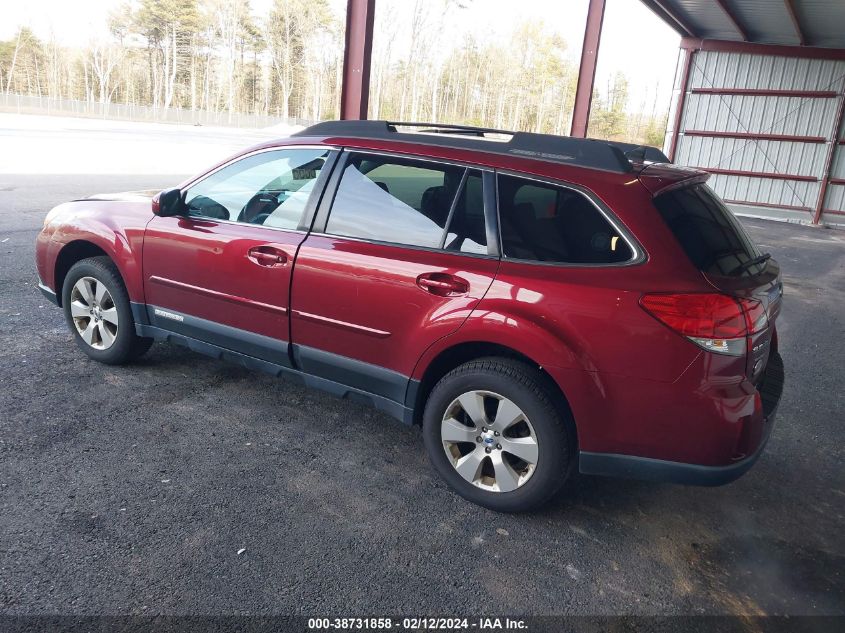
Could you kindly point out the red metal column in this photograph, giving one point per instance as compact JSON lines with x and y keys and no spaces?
{"x":682,"y":99}
{"x":831,"y":152}
{"x":358,"y":48}
{"x":587,"y":71}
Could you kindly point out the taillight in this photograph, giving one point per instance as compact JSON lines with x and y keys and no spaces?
{"x":715,"y":322}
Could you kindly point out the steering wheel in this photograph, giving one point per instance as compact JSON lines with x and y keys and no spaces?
{"x":259,"y":207}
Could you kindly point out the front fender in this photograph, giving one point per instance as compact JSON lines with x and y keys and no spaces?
{"x":115,"y":227}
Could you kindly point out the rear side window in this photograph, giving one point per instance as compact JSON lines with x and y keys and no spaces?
{"x":547,"y":223}
{"x":403,"y":201}
{"x":708,"y":232}
{"x":467,"y":232}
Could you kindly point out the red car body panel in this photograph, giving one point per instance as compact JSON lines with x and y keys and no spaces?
{"x":197,"y":266}
{"x":369,"y":293}
{"x":116,"y":226}
{"x":634,"y":387}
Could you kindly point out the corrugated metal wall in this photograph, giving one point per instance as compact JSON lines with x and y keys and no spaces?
{"x":764,"y":126}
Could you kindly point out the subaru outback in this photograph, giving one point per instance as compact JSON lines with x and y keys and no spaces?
{"x":539,"y":305}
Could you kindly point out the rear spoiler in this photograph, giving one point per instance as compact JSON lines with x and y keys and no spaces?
{"x":662,"y":178}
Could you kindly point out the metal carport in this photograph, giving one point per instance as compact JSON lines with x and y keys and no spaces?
{"x":758,"y":101}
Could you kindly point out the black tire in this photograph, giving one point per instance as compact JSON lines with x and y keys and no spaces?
{"x":529,"y":390}
{"x":127,"y":346}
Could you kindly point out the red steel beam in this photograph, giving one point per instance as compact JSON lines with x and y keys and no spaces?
{"x":769,"y":205}
{"x":357,"y":54}
{"x":679,"y":108}
{"x":833,"y":212}
{"x":733,"y":19}
{"x":790,"y":9}
{"x":757,"y":137}
{"x":758,"y":174}
{"x":763,"y":92}
{"x":667,"y":15}
{"x":828,"y":164}
{"x":725,"y":46}
{"x":587,"y":69}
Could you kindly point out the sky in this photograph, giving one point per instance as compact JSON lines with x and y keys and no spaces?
{"x":634,"y":40}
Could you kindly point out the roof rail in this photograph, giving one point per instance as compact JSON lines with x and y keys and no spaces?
{"x":580,"y":152}
{"x":449,"y":128}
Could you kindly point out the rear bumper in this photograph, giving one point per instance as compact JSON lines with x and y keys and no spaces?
{"x":645,"y":468}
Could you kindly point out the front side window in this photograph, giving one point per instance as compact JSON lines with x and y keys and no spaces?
{"x":549,"y":223}
{"x":403,"y":201}
{"x":268,"y":188}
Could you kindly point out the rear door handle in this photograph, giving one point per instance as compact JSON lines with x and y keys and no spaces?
{"x":443,"y":284}
{"x":268,"y":256}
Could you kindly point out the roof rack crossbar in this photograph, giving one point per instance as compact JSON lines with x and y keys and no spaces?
{"x":591,"y":153}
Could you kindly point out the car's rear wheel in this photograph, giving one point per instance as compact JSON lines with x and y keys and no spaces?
{"x":99,"y":314}
{"x":493,"y":432}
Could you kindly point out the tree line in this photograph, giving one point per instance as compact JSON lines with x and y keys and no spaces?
{"x":220,"y":56}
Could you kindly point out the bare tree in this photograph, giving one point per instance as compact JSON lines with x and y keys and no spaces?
{"x":103,"y":58}
{"x":216,"y":55}
{"x":14,"y":60}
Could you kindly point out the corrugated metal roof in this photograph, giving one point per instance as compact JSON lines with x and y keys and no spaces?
{"x":767,"y":21}
{"x":823,"y":21}
{"x":818,"y":23}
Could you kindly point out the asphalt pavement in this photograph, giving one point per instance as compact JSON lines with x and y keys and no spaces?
{"x":185,"y":485}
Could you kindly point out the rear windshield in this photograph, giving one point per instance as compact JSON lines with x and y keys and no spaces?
{"x":709,"y":233}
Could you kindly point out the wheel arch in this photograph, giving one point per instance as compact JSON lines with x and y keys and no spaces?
{"x":70,"y":254}
{"x":455,"y":355}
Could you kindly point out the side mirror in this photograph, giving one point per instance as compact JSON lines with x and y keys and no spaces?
{"x":168,"y":203}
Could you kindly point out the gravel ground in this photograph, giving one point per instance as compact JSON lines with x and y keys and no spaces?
{"x":184,"y":485}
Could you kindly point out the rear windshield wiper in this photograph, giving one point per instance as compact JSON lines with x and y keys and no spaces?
{"x":751,"y":262}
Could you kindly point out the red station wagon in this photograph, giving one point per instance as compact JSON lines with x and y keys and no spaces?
{"x":536,"y":303}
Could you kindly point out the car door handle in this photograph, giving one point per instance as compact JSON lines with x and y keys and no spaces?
{"x":443,"y":284}
{"x":267,"y":256}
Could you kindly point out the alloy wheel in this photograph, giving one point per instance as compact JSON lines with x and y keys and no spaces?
{"x":94,"y":313}
{"x":489,"y":441}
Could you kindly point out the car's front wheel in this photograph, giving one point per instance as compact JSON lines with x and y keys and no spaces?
{"x":99,"y":314}
{"x":494,"y":434}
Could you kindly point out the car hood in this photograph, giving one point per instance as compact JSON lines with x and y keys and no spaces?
{"x":133,"y":206}
{"x":127,"y":196}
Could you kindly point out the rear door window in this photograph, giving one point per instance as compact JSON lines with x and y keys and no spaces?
{"x":549,"y":223}
{"x":711,"y":236}
{"x":404,"y":201}
{"x":467,"y":231}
